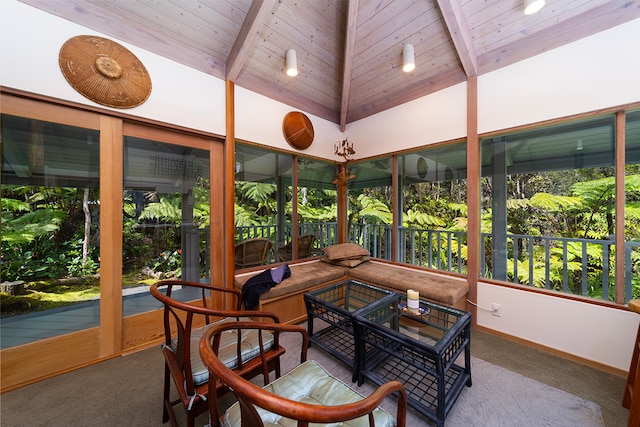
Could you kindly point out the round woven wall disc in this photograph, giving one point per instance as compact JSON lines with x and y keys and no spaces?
{"x":104,"y":71}
{"x":297,"y":130}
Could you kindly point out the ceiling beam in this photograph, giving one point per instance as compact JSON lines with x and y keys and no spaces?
{"x":257,"y":16}
{"x":460,"y":35}
{"x":347,"y":70}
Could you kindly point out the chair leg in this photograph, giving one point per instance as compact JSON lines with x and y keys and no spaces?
{"x":166,"y":394}
{"x":634,"y":410}
{"x":631,"y":397}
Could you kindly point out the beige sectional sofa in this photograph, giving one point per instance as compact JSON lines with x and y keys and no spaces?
{"x":286,"y":298}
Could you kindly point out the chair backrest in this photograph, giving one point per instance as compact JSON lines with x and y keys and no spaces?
{"x":305,"y":244}
{"x":252,"y":252}
{"x":251,"y":396}
{"x":182,"y":320}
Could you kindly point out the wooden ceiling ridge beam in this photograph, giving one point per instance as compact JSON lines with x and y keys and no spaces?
{"x":460,"y":34}
{"x":256,"y":18}
{"x":347,"y":67}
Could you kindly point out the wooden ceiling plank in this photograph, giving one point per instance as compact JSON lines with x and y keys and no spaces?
{"x":350,"y":39}
{"x":363,"y":92}
{"x":307,"y":35}
{"x":270,"y":54}
{"x":409,"y":93}
{"x":460,"y":35}
{"x":302,"y":85}
{"x":390,"y":55}
{"x":270,"y":67}
{"x":290,"y":98}
{"x":258,"y":15}
{"x":580,"y":26}
{"x":393,"y":27}
{"x":327,"y":17}
{"x":169,"y":18}
{"x":513,"y":26}
{"x":232,"y":10}
{"x":108,"y":22}
{"x":379,"y":75}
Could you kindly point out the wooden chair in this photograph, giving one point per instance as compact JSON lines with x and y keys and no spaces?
{"x":297,"y":395}
{"x":184,"y":324}
{"x":305,"y":244}
{"x":631,"y":398}
{"x":252,"y":252}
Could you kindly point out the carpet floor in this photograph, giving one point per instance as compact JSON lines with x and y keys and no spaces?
{"x":507,"y":378}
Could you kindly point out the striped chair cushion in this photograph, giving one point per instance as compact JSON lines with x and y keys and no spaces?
{"x":228,"y":348}
{"x":310,"y":383}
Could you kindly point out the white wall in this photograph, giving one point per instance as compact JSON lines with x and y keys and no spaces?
{"x":31,"y":41}
{"x":596,"y":72}
{"x":259,"y":119}
{"x":593,"y":332}
{"x":440,"y":116}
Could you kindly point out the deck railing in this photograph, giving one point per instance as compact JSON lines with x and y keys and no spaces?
{"x":570,"y":265}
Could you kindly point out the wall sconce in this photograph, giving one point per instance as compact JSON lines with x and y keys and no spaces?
{"x":408,"y":58}
{"x":532,"y":6}
{"x":292,"y":63}
{"x":579,"y":145}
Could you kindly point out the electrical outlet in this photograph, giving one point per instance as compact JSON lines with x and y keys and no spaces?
{"x":496,"y":310}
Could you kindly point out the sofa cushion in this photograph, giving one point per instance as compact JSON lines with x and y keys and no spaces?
{"x":304,"y":275}
{"x":349,"y":263}
{"x":345,"y":251}
{"x":434,"y":286}
{"x":310,"y":383}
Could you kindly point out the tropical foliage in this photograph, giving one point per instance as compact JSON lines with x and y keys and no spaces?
{"x":562,"y":219}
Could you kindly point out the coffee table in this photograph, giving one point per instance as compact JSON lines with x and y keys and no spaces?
{"x":332,"y":308}
{"x":421,"y":350}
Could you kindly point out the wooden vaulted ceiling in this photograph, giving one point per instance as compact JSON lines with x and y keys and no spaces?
{"x":349,"y":52}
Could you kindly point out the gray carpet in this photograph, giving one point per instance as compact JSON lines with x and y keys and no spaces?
{"x":128,"y":391}
{"x":497,"y":398}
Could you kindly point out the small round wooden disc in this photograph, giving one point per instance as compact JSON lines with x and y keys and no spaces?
{"x":297,"y":130}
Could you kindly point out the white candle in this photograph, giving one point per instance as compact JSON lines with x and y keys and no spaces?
{"x":412,"y":298}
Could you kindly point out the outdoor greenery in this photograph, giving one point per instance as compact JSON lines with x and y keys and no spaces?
{"x":52,"y":234}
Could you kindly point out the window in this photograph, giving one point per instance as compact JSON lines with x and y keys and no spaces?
{"x":548,"y":204}
{"x":370,"y":207}
{"x":263,"y":193}
{"x":632,"y":207}
{"x":317,"y":204}
{"x":165,"y":214}
{"x":50,"y":223}
{"x":434,"y":208}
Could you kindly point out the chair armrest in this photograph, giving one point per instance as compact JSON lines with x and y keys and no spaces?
{"x":251,"y":396}
{"x":165,"y":297}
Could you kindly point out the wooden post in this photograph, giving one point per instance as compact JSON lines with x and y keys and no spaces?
{"x":342,"y":178}
{"x":474,"y":239}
